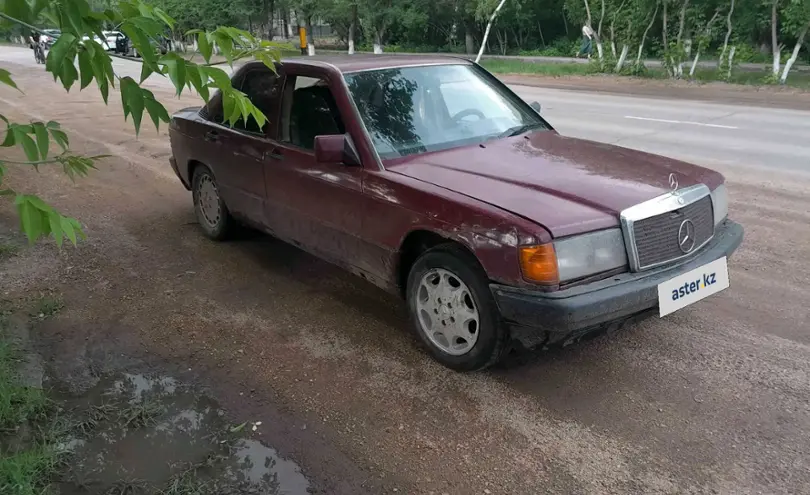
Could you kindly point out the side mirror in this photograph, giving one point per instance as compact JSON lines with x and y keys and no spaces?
{"x":536,"y":106}
{"x":336,"y":148}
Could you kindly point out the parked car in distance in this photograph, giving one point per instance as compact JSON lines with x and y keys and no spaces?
{"x":124,"y":46}
{"x":49,"y":38}
{"x":430,"y":178}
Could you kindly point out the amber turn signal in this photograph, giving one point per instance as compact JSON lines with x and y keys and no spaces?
{"x":539,"y":264}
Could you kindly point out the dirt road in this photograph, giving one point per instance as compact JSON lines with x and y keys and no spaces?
{"x":715,"y":398}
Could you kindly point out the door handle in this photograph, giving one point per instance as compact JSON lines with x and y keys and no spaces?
{"x":212,"y":136}
{"x":275,"y":155}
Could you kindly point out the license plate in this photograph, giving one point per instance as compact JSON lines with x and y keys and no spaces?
{"x":692,"y":286}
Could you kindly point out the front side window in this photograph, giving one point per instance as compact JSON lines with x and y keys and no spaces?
{"x":261,"y":86}
{"x":420,"y":109}
{"x":308,"y":109}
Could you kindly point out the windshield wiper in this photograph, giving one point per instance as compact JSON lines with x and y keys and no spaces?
{"x":519,"y":129}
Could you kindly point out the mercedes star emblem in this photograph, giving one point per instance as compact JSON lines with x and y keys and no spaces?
{"x":673,"y":182}
{"x":686,"y":236}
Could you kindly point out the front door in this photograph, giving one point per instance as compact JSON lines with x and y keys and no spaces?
{"x":322,"y":203}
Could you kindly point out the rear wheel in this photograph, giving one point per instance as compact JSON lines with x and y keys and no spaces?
{"x":453,"y":311}
{"x":212,"y":214}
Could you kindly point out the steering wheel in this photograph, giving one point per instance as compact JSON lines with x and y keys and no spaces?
{"x":468,"y":112}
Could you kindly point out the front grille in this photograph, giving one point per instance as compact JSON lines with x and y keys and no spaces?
{"x":656,"y":238}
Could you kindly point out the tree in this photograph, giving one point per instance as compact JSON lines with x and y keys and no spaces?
{"x":489,"y":26}
{"x":797,"y":21}
{"x":141,"y":22}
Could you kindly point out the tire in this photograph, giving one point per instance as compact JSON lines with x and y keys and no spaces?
{"x":489,"y":335}
{"x":205,"y":194}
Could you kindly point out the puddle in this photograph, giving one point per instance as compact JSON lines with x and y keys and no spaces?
{"x":138,"y":434}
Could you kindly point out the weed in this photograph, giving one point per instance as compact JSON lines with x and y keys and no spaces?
{"x":8,"y":250}
{"x":186,"y":483}
{"x":131,"y":487}
{"x":46,"y":307}
{"x":140,"y":415}
{"x":94,"y":415}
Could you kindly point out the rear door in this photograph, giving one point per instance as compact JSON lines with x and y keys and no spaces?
{"x":237,"y":154}
{"x":320,"y":205}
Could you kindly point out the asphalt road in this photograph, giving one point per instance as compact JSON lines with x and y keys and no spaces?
{"x":714,"y":398}
{"x":700,"y":132}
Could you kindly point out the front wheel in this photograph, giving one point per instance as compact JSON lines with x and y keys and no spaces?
{"x":453,"y":311}
{"x":212,"y":214}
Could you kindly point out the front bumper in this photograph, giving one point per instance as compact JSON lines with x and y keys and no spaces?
{"x":613,"y":299}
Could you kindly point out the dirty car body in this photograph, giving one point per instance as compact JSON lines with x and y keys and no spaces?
{"x":430,"y":178}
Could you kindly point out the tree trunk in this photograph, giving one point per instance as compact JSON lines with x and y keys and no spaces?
{"x":542,"y":39}
{"x":664,"y":25}
{"x":795,"y":54}
{"x":728,"y":35}
{"x":644,"y":36}
{"x":285,"y":24}
{"x":694,"y":63}
{"x":682,"y":21}
{"x":599,"y":29}
{"x":271,"y":19}
{"x":731,"y":59}
{"x":378,"y":43}
{"x":352,"y":28}
{"x":310,"y":38}
{"x":777,"y":50}
{"x":588,"y":12}
{"x":489,"y":27}
{"x":622,"y":58}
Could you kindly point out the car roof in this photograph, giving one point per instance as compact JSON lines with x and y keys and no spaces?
{"x":364,"y":62}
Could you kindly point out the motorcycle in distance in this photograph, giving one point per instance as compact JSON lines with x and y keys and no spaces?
{"x":35,"y":41}
{"x":39,"y":52}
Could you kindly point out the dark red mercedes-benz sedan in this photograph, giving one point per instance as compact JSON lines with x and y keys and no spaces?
{"x":430,"y":178}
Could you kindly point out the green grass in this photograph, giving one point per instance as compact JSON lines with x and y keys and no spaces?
{"x":796,"y":79}
{"x":26,"y":468}
{"x":506,"y":66}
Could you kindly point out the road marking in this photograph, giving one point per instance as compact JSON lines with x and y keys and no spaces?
{"x":681,"y":122}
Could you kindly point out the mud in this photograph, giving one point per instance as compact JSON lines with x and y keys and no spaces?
{"x":144,"y":433}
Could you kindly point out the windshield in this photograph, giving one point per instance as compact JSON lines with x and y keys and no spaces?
{"x":430,"y":108}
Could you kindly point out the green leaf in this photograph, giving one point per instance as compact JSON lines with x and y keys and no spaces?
{"x":132,"y":99}
{"x":86,"y":68}
{"x":9,"y":141}
{"x":60,"y":137}
{"x":156,"y":111}
{"x":28,"y":144}
{"x":176,"y":68}
{"x":60,"y":53}
{"x":140,"y":40}
{"x":204,"y":44}
{"x":5,"y":78}
{"x":163,"y":16}
{"x":31,"y":218}
{"x":68,"y":228}
{"x":146,"y":71}
{"x":73,"y":11}
{"x":42,"y":139}
{"x":128,"y":9}
{"x":195,"y":80}
{"x":55,"y":220}
{"x":68,"y":75}
{"x":225,"y":44}
{"x":218,"y":76}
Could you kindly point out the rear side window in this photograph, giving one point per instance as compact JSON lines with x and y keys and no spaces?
{"x":261,"y":86}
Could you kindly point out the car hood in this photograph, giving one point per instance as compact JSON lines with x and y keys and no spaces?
{"x":565,"y":184}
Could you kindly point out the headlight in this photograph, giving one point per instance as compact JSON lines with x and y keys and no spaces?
{"x":720,"y":203}
{"x":574,"y":257}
